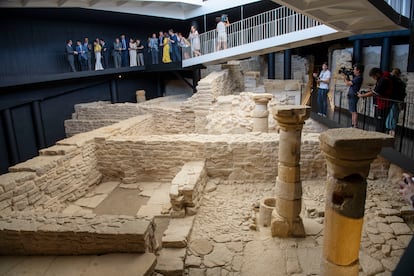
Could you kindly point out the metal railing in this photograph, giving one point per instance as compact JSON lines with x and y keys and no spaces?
{"x":400,"y":113}
{"x":400,"y":6}
{"x":266,"y":25}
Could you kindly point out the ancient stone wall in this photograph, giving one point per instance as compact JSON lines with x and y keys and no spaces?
{"x":90,"y":116}
{"x":64,"y":172}
{"x":44,"y":233}
{"x":249,"y":156}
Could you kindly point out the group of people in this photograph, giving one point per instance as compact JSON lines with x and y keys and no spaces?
{"x":82,"y":52}
{"x":166,"y":48}
{"x":388,"y":92}
{"x":173,"y":47}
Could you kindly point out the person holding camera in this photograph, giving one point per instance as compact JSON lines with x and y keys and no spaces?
{"x":222,"y":23}
{"x":382,"y":93}
{"x":323,"y":82}
{"x":354,"y":86}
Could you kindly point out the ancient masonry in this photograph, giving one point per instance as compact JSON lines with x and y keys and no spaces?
{"x":168,"y":154}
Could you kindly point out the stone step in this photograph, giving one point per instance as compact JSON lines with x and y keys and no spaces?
{"x":178,"y":232}
{"x":170,"y":261}
{"x":91,"y":265}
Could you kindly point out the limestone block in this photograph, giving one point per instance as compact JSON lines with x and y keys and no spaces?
{"x":44,"y":233}
{"x":288,"y":208}
{"x":140,"y":94}
{"x":177,"y":233}
{"x":187,"y":186}
{"x":288,"y":190}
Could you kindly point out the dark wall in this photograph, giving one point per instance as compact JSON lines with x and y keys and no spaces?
{"x":22,"y":135}
{"x":34,"y":40}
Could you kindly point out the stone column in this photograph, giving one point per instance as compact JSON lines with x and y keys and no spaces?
{"x":260,"y":114}
{"x":285,"y":218}
{"x":349,"y":153}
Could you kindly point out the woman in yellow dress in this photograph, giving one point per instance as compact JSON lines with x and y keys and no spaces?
{"x":166,"y":51}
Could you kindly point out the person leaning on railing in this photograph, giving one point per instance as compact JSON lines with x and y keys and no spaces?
{"x":382,"y":97}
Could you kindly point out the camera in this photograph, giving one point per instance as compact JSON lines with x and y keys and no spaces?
{"x":224,"y":17}
{"x":362,"y":91}
{"x":347,"y":71}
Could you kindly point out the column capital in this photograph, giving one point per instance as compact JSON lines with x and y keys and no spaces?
{"x":351,"y":151}
{"x":291,"y":116}
{"x":262,"y":98}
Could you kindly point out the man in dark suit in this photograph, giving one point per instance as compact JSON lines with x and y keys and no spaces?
{"x":82,"y":56}
{"x":105,"y":53}
{"x":176,"y":55}
{"x":124,"y":53}
{"x":117,"y":53}
{"x":70,"y":55}
{"x":87,"y":47}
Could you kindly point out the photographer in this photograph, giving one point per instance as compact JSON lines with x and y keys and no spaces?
{"x":382,"y":93}
{"x":354,"y":86}
{"x":323,"y":82}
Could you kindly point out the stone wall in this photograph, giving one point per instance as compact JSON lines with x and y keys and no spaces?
{"x":90,"y":116}
{"x":43,"y":233}
{"x":251,"y":157}
{"x":61,"y":173}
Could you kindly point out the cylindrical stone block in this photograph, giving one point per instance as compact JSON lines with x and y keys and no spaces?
{"x":289,"y":147}
{"x":267,"y":205}
{"x":288,"y":190}
{"x":288,"y":174}
{"x":260,"y":114}
{"x":289,"y":209}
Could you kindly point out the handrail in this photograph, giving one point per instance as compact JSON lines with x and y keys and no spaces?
{"x":402,"y":7}
{"x":266,"y":25}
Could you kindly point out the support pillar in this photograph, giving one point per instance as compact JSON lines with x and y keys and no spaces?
{"x":38,"y":124}
{"x":286,"y":221}
{"x":386,"y":54}
{"x":357,"y":51}
{"x":271,"y":66}
{"x":349,"y":153}
{"x":114,"y":91}
{"x":287,"y":61}
{"x":260,"y":113}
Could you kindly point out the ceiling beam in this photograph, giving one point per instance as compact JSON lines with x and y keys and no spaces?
{"x":24,"y":2}
{"x":60,"y":3}
{"x":121,"y":3}
{"x":93,"y":2}
{"x":318,"y":5}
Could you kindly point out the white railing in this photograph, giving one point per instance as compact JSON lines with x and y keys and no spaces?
{"x":400,"y":6}
{"x":266,"y":25}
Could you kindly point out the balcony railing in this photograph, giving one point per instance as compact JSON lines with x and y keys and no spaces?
{"x":400,"y":6}
{"x":266,"y":25}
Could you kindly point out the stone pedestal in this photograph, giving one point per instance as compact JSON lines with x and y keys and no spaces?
{"x":260,"y":113}
{"x":349,"y":153}
{"x":285,"y":218}
{"x":140,"y":94}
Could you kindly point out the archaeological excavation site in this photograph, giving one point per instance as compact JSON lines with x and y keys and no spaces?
{"x":235,"y":179}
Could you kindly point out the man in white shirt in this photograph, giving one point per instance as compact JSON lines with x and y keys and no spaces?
{"x":323,"y":81}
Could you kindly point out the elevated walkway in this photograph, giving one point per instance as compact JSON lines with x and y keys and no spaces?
{"x":286,"y":27}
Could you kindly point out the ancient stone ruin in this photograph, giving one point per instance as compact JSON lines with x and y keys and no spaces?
{"x":212,"y":184}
